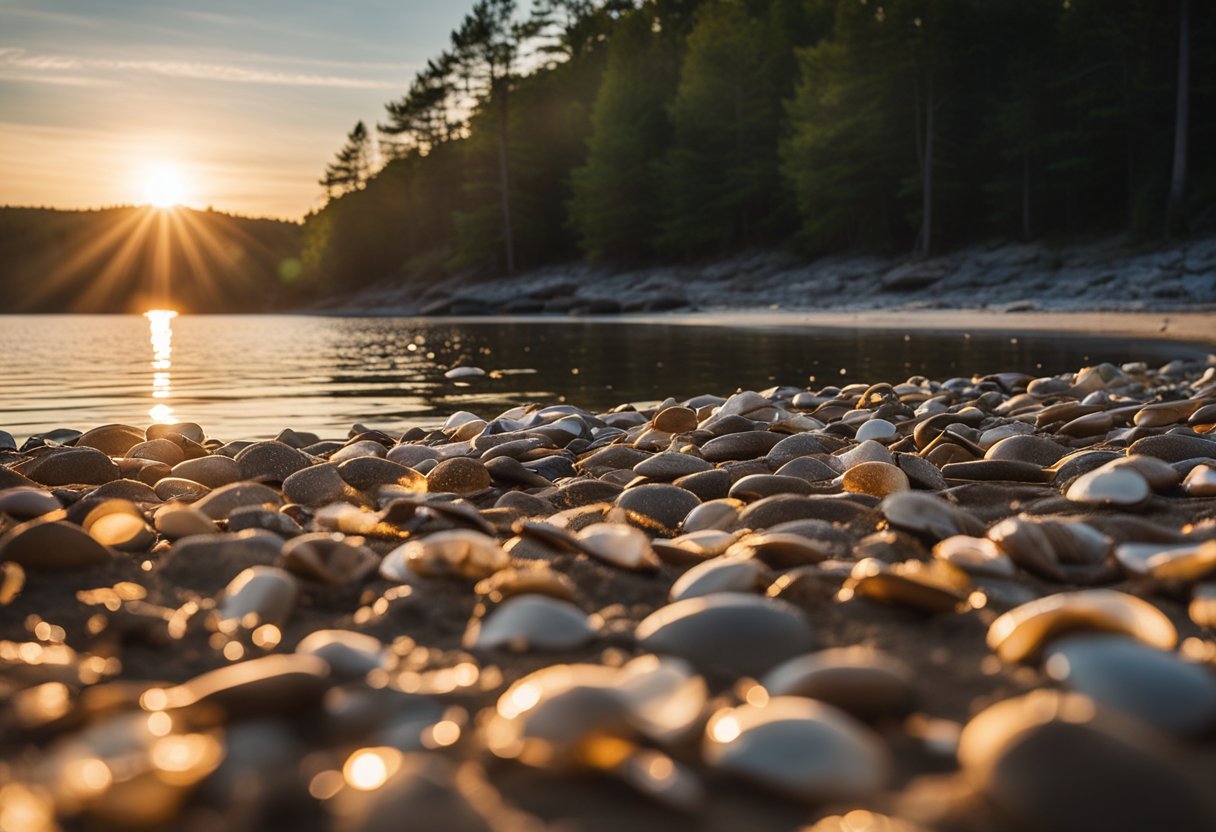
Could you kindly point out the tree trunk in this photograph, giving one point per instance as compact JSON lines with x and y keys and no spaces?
{"x":926,"y":188}
{"x":1181,"y":116}
{"x":504,"y":181}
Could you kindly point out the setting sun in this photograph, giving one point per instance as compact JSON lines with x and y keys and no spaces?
{"x":164,"y":185}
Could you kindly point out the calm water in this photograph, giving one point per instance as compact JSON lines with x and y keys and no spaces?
{"x":250,"y":376}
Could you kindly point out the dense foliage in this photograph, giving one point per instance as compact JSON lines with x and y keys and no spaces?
{"x":632,"y":130}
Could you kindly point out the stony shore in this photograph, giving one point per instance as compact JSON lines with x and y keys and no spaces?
{"x":1103,"y":276}
{"x":979,"y":603}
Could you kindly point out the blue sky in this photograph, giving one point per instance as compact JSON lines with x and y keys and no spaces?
{"x":248,"y":100}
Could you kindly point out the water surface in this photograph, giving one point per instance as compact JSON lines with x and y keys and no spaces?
{"x":250,"y":376}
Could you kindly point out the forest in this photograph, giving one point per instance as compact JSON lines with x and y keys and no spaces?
{"x":674,"y":130}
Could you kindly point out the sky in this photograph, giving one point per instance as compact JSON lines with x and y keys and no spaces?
{"x":242,"y":102}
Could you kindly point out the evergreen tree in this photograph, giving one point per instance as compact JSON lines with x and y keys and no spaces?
{"x":351,"y":168}
{"x":615,"y":200}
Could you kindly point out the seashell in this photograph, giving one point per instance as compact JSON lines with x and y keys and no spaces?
{"x":459,"y":553}
{"x":618,"y":544}
{"x":533,"y":622}
{"x":738,"y":633}
{"x":799,"y":748}
{"x":1020,"y":634}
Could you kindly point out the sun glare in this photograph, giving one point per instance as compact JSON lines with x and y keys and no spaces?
{"x":164,"y":186}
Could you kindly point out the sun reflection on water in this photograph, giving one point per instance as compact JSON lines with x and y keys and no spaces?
{"x":160,"y":322}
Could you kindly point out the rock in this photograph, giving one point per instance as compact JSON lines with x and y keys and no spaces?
{"x":158,"y":450}
{"x":720,"y":574}
{"x":911,"y":277}
{"x":212,"y":471}
{"x":459,"y":554}
{"x":176,"y":521}
{"x":1124,"y":487}
{"x":72,"y":466}
{"x":1175,"y":696}
{"x":750,"y":444}
{"x":270,"y":685}
{"x":26,"y":502}
{"x":51,"y":545}
{"x":676,"y":420}
{"x":1021,"y":633}
{"x":1055,"y":762}
{"x":329,"y":559}
{"x":270,"y":461}
{"x":878,"y":479}
{"x":862,"y":681}
{"x":735,"y":633}
{"x":369,"y":473}
{"x":258,"y":595}
{"x":460,"y":475}
{"x":618,"y":544}
{"x":316,"y":485}
{"x":207,"y":562}
{"x":223,"y":501}
{"x":1174,"y":447}
{"x":119,"y":524}
{"x":665,"y":505}
{"x":931,"y":518}
{"x":670,"y":466}
{"x":176,"y":488}
{"x":799,"y":748}
{"x":111,"y":440}
{"x":350,"y":655}
{"x":527,"y":623}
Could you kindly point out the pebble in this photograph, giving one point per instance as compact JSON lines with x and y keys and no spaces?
{"x":735,"y":633}
{"x":1057,"y":762}
{"x":532,"y":622}
{"x":806,"y":750}
{"x":1023,"y":632}
{"x":459,"y":476}
{"x":1173,"y":695}
{"x":52,"y":545}
{"x":1123,"y":487}
{"x":73,"y":466}
{"x":626,"y":584}
{"x":867,"y":683}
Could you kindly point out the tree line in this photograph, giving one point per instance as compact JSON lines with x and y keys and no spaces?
{"x":635,"y":131}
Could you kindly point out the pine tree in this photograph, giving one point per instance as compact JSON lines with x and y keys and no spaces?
{"x":351,"y":168}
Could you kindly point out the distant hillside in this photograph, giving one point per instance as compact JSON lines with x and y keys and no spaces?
{"x":132,"y":259}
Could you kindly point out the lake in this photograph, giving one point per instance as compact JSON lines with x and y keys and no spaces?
{"x":250,"y":376}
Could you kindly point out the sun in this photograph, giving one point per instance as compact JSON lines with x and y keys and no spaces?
{"x":164,"y":185}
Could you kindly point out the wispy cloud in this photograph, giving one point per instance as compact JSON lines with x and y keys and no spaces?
{"x":21,"y":59}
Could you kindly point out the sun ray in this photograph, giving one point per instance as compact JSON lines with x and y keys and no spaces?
{"x":86,"y":253}
{"x":121,"y":262}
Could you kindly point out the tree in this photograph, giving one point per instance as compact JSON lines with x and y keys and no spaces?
{"x":422,"y":118}
{"x":351,"y":168}
{"x":483,"y":55}
{"x":1181,"y":117}
{"x":720,"y":174}
{"x":615,"y":194}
